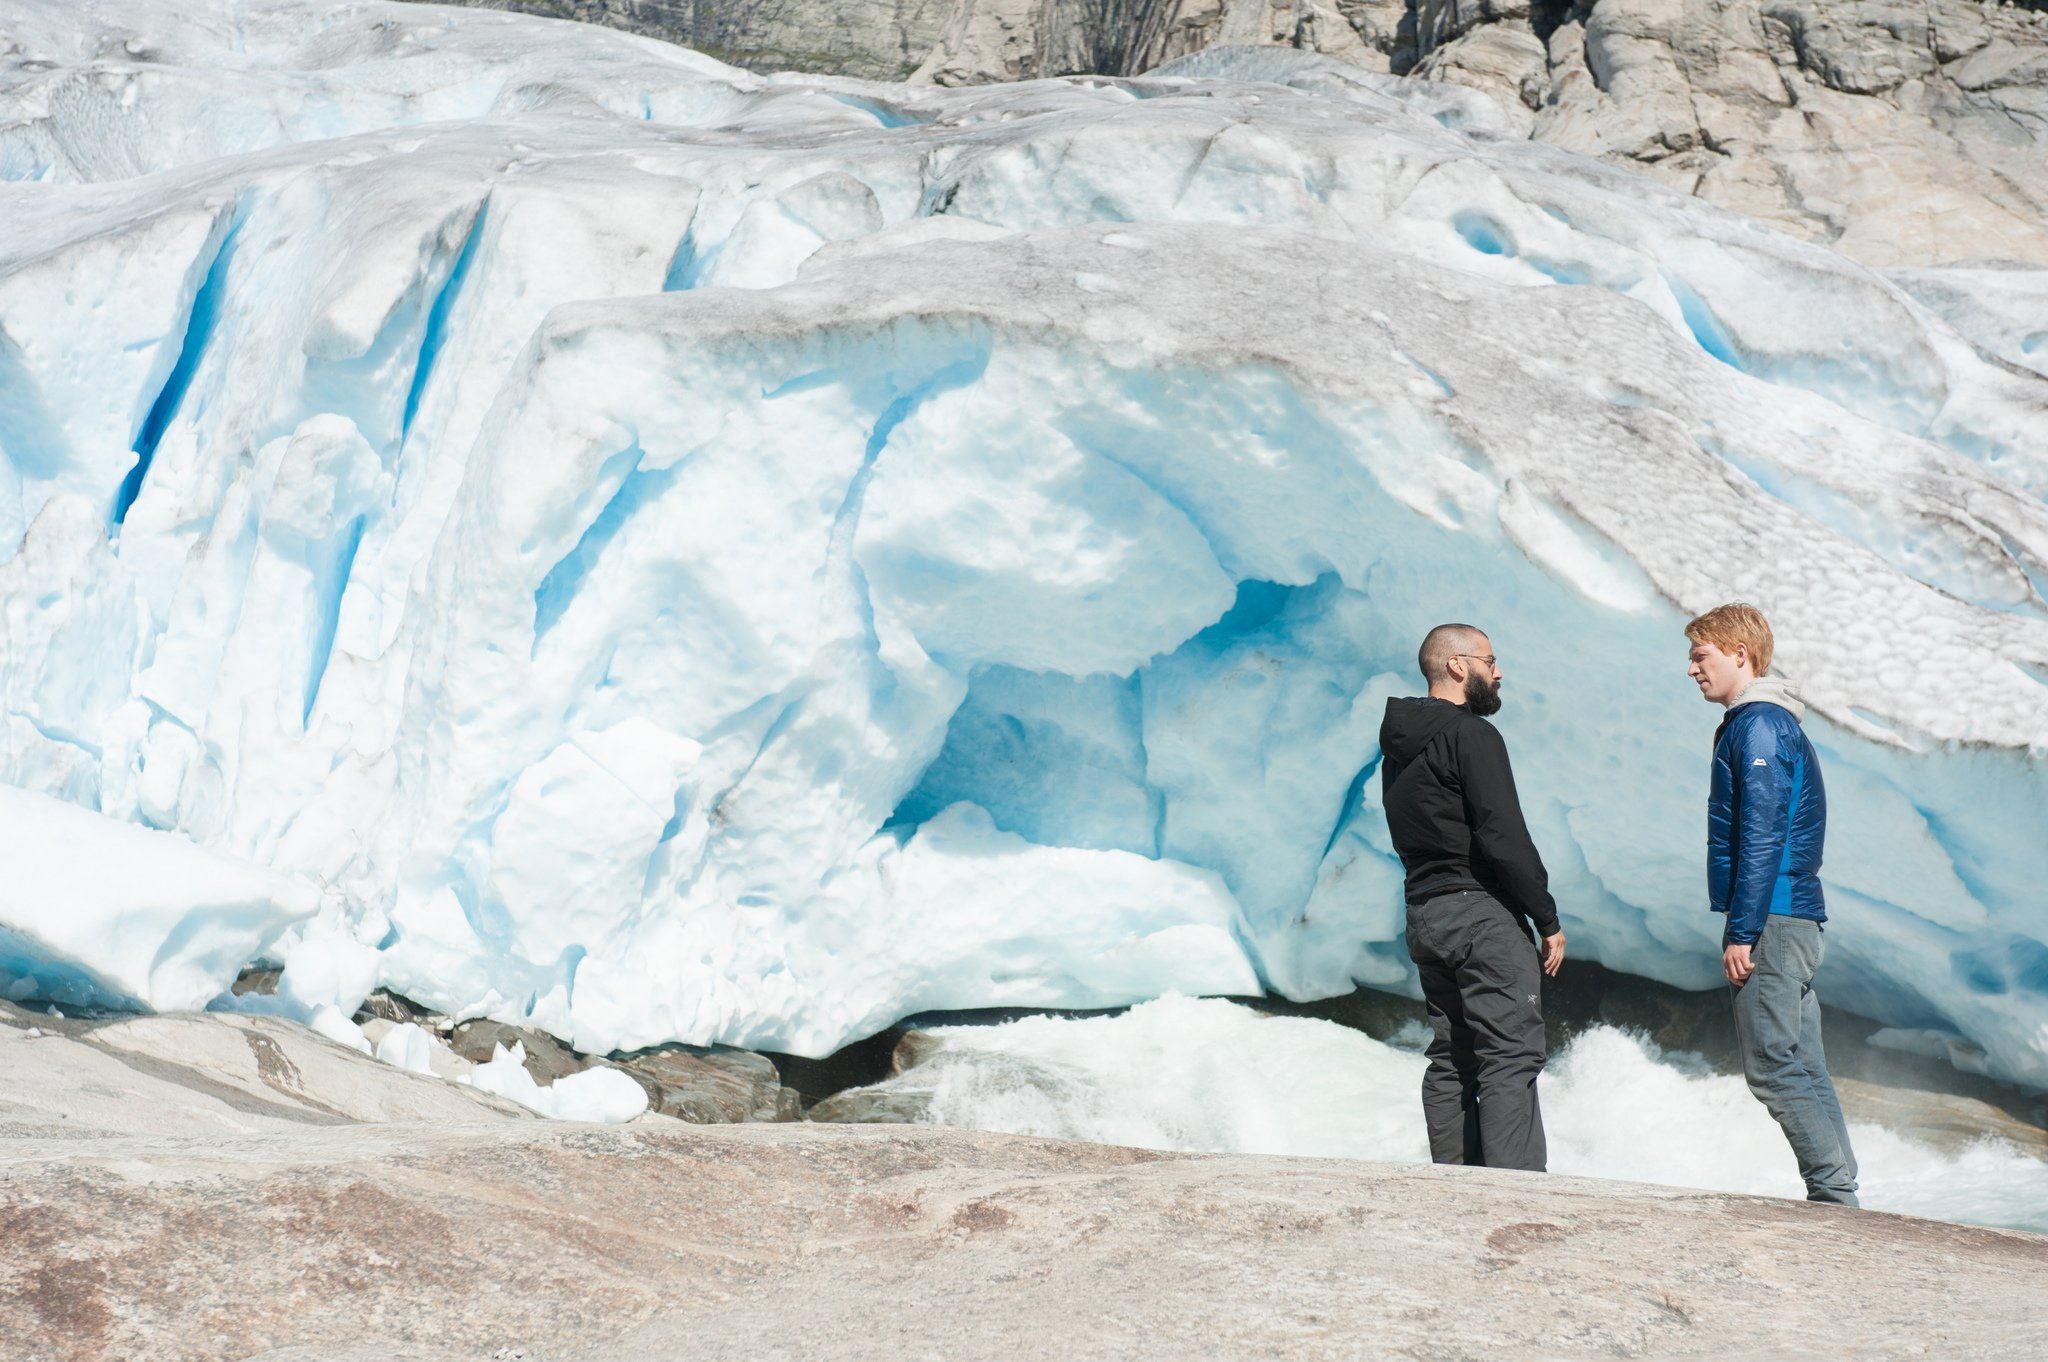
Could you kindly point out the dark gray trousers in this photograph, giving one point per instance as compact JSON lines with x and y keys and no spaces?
{"x":1482,"y":981}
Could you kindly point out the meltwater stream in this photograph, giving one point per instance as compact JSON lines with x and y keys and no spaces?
{"x":1208,"y":1075}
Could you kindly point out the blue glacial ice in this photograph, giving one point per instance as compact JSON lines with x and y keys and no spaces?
{"x":670,"y":554}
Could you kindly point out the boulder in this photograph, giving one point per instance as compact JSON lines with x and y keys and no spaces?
{"x":395,"y":1008}
{"x":547,"y":1059}
{"x":873,"y":1106}
{"x":898,"y":1104}
{"x":709,"y":1086}
{"x":261,"y":980}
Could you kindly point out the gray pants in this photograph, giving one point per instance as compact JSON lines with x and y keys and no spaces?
{"x":1777,"y":1025}
{"x":1482,"y":981}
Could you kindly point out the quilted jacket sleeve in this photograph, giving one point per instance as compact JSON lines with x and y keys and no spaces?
{"x":1721,"y":824}
{"x":1765,"y":770}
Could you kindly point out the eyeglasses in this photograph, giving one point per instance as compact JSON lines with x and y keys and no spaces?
{"x":1488,"y":659}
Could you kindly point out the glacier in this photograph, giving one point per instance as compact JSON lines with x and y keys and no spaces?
{"x":665,"y":553}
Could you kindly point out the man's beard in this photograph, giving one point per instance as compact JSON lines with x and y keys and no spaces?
{"x":1482,"y":695}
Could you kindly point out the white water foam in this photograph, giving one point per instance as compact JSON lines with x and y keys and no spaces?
{"x":1207,"y":1075}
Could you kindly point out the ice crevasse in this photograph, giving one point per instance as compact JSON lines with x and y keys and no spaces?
{"x":661,"y":553}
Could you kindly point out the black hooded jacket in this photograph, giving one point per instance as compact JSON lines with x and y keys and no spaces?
{"x":1452,"y":809}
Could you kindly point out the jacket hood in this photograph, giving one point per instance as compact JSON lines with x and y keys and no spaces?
{"x":1775,"y":691}
{"x":1412,"y":721}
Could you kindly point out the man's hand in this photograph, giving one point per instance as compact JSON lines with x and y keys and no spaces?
{"x":1735,"y":964}
{"x":1553,"y":952}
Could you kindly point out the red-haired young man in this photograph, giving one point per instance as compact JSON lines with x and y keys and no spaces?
{"x":1766,"y":819}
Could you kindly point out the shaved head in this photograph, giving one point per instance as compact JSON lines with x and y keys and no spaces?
{"x":1443,"y":643}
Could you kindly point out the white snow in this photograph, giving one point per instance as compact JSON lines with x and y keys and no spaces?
{"x":410,"y":1047}
{"x":331,"y":1022}
{"x":1189,"y":1074}
{"x":415,"y":1048}
{"x":94,"y":911}
{"x":598,"y":1094}
{"x":682,"y":555}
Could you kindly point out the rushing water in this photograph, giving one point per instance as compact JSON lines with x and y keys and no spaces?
{"x":1188,"y":1074}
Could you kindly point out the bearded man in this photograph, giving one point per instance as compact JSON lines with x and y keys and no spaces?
{"x":1475,"y":889}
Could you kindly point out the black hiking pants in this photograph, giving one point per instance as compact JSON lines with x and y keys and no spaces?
{"x":1482,"y":981}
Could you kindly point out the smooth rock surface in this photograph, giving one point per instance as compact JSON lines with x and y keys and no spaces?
{"x":204,"y":1076}
{"x":873,"y":1106}
{"x":166,"y":1194}
{"x":1948,"y":1121}
{"x":708,"y":1085}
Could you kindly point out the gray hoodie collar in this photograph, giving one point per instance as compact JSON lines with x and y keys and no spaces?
{"x":1775,"y":691}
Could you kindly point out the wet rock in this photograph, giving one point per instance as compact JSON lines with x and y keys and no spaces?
{"x":259,"y":981}
{"x":1946,"y":1121}
{"x":1377,"y":1014}
{"x":896,"y":1104}
{"x":874,"y":1106}
{"x":44,"y":1021}
{"x":702,"y":1085}
{"x":708,"y":1086}
{"x":547,"y":1059}
{"x":398,"y":1009}
{"x":914,"y":1048}
{"x":1440,"y":21}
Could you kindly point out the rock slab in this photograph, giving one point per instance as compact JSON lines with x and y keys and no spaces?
{"x":166,"y":1194}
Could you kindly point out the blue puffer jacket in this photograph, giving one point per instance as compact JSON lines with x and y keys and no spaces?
{"x":1767,"y":818}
